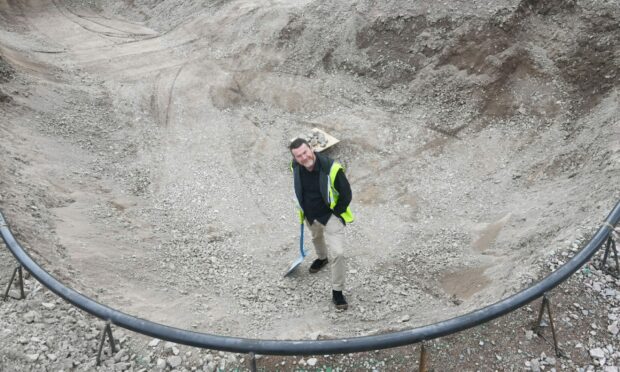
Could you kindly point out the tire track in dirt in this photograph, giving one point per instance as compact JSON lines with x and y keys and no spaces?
{"x":29,"y":63}
{"x":138,"y":36}
{"x":171,"y":93}
{"x":74,"y":17}
{"x":162,"y":91}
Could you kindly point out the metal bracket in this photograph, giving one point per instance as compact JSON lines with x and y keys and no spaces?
{"x":545,"y":303}
{"x":107,"y":330}
{"x":423,"y":367}
{"x":19,"y":270}
{"x":611,"y":245}
{"x":252,"y":362}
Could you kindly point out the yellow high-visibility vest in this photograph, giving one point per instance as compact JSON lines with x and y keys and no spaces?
{"x":332,"y":194}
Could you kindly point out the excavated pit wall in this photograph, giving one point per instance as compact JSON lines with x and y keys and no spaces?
{"x":146,"y":160}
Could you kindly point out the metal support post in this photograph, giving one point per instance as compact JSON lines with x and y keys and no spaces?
{"x":610,"y":245}
{"x":423,"y":358}
{"x":19,"y":270}
{"x":546,"y":304}
{"x":252,"y":362}
{"x":107,"y":330}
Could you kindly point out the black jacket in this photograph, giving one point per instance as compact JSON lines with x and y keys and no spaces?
{"x":341,"y":184}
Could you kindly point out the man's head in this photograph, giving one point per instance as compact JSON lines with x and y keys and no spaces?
{"x":302,"y":152}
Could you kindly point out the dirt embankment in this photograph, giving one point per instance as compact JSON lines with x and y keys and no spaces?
{"x":146,"y":159}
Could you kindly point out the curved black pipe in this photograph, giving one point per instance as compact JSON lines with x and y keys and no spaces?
{"x":308,"y":347}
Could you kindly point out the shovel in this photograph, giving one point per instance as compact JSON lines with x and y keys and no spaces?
{"x":299,"y":260}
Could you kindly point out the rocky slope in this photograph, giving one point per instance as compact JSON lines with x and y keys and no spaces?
{"x":146,"y":164}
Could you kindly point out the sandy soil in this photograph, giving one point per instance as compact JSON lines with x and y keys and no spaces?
{"x":146,"y":163}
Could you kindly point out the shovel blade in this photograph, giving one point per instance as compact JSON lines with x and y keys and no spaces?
{"x":294,"y":265}
{"x":302,"y":252}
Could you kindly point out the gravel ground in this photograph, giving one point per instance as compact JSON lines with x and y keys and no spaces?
{"x":585,"y":310}
{"x":146,"y":166}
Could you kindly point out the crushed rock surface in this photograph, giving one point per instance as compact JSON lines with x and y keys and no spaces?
{"x":145,"y":165}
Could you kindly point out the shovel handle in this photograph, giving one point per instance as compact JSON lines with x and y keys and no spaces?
{"x":301,"y":241}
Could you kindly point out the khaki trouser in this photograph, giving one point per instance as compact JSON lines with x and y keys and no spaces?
{"x":328,"y":239}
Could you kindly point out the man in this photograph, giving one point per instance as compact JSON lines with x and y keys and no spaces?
{"x":323,"y":194}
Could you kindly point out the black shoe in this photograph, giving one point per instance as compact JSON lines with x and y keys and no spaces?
{"x":317,"y":265}
{"x":339,"y":300}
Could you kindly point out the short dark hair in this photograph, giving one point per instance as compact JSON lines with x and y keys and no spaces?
{"x":298,"y":142}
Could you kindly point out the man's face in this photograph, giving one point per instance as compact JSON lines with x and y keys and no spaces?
{"x":304,"y":156}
